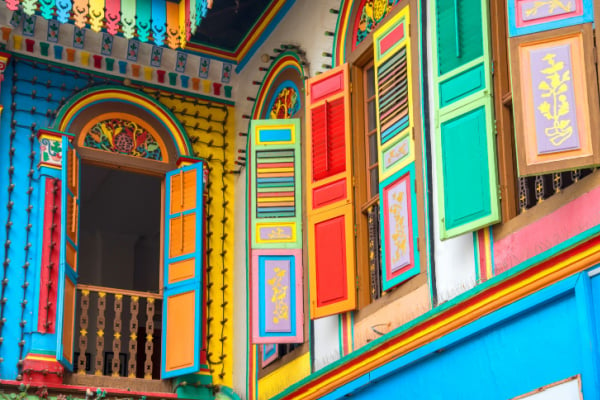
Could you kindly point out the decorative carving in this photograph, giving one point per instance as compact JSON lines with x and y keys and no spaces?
{"x":100,"y":324}
{"x":51,"y":151}
{"x":373,"y":11}
{"x":124,"y":137}
{"x":149,"y":338}
{"x":134,"y":308}
{"x":83,"y":332}
{"x":286,"y":103}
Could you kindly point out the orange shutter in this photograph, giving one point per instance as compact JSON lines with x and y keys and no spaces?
{"x":329,"y":194}
{"x":69,"y":244}
{"x":183,"y":266}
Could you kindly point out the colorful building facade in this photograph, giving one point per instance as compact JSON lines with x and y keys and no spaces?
{"x":350,"y":198}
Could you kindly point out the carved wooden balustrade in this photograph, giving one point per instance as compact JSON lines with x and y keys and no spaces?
{"x":119,"y":332}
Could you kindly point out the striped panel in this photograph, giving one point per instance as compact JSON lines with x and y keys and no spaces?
{"x":392,"y":77}
{"x":275,"y":182}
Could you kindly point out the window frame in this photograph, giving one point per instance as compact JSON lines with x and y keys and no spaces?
{"x":358,"y":60}
{"x":512,"y":218}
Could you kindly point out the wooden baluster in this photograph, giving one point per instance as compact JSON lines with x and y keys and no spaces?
{"x":557,"y":181}
{"x":83,"y":333}
{"x":523,"y":195}
{"x":100,"y":321}
{"x":539,"y":188}
{"x":133,"y":328}
{"x":116,"y":361}
{"x":149,"y":338}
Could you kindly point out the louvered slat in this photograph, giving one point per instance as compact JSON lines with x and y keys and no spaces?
{"x":392,"y":78}
{"x":460,"y":43}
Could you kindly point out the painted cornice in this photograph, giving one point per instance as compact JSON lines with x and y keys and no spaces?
{"x":572,"y":256}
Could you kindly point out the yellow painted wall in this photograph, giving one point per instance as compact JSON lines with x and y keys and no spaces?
{"x":282,"y":378}
{"x":208,"y":140}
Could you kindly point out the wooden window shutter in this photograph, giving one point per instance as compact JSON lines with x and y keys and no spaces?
{"x":465,"y":145}
{"x":69,"y":245}
{"x":555,"y":97}
{"x":183,"y":271}
{"x":329,"y":207}
{"x":396,"y":145}
{"x":275,"y":169}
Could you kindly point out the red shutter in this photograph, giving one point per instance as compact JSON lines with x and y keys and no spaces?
{"x":329,"y":194}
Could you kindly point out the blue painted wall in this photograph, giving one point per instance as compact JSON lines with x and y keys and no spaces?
{"x":17,"y":89}
{"x":545,"y":338}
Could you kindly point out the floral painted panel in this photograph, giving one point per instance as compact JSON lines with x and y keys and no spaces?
{"x":398,"y":228}
{"x":123,"y":137}
{"x":529,"y":16}
{"x":370,"y":15}
{"x":554,"y":99}
{"x":277,"y":301}
{"x":397,"y":224}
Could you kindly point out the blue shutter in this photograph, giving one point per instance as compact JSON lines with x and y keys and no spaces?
{"x":69,"y":243}
{"x":183,"y":270}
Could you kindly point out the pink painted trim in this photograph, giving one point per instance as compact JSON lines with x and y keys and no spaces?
{"x":49,"y":255}
{"x":388,"y":267}
{"x":123,"y":392}
{"x":568,"y":221}
{"x":391,"y":39}
{"x":254,"y":317}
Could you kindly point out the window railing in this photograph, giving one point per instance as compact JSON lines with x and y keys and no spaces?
{"x":534,"y":189}
{"x":119,"y":333}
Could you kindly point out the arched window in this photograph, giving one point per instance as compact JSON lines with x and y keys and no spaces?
{"x":130,"y":201}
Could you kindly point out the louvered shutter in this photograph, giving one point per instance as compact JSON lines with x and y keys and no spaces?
{"x":466,"y":170}
{"x":396,"y":146}
{"x":555,"y":97}
{"x":276,"y":229}
{"x":69,"y":245}
{"x":183,"y":272}
{"x":329,"y":203}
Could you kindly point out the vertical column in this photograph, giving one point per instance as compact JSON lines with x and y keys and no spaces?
{"x":116,"y":361}
{"x":133,"y":328}
{"x":83,"y":337}
{"x":149,"y":338}
{"x":100,"y":324}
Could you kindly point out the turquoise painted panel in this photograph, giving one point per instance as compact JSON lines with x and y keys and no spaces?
{"x":462,"y":85}
{"x":467,"y":170}
{"x":531,"y":16}
{"x":275,"y":135}
{"x":465,"y":145}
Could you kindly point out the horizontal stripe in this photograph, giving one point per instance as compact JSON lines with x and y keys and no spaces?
{"x":271,"y":189}
{"x":272,"y":169}
{"x":276,"y":165}
{"x":275,"y":194}
{"x":276,"y":204}
{"x":274,"y":199}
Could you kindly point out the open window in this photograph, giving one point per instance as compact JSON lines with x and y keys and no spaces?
{"x":131,"y":255}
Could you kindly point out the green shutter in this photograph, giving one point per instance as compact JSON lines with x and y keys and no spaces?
{"x":465,"y":144}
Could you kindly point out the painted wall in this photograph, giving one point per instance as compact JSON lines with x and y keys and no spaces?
{"x":304,"y":25}
{"x":52,"y":88}
{"x":544,"y":338}
{"x":19,"y":218}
